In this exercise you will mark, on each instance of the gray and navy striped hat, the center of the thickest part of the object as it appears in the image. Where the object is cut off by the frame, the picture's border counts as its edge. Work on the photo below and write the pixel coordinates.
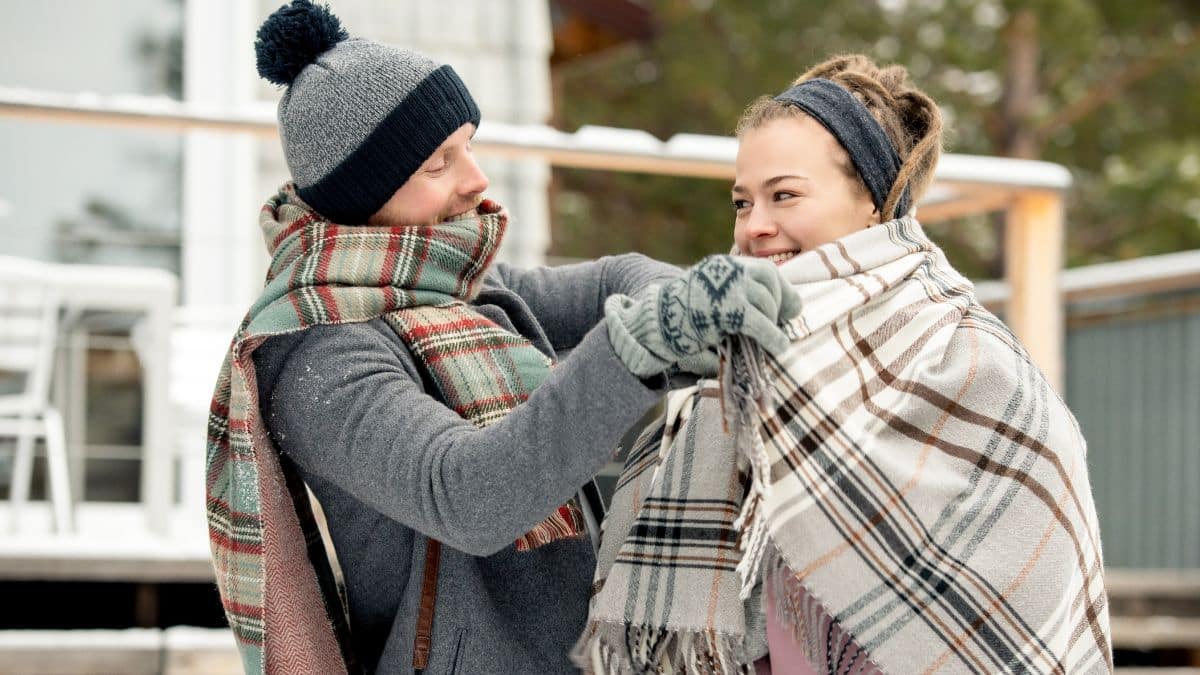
(358, 117)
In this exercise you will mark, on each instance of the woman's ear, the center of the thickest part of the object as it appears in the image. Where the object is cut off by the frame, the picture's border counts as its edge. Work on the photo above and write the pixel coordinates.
(873, 217)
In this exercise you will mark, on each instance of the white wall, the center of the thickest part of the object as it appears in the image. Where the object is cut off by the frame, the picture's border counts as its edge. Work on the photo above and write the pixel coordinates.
(223, 255)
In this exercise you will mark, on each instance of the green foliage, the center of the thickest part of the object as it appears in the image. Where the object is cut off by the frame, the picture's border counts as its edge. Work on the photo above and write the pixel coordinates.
(1118, 86)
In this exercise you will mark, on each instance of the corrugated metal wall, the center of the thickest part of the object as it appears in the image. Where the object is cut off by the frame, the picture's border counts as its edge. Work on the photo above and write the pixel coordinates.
(1133, 382)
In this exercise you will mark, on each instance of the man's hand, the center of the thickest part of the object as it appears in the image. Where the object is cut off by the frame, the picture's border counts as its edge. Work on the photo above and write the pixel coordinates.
(720, 296)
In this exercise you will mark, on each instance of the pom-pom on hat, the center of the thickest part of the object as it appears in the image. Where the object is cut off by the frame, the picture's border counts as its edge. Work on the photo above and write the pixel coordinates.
(358, 125)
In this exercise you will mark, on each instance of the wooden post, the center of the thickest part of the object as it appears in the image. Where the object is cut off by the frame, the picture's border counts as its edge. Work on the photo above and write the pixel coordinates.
(1033, 249)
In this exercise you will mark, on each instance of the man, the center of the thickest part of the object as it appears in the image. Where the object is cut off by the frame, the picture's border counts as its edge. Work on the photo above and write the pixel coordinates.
(415, 388)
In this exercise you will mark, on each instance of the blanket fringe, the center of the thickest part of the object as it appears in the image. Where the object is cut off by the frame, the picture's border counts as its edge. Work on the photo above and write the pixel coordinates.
(788, 595)
(743, 388)
(820, 636)
(616, 649)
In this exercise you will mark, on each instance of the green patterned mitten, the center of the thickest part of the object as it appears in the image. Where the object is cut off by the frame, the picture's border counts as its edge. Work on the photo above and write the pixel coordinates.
(719, 296)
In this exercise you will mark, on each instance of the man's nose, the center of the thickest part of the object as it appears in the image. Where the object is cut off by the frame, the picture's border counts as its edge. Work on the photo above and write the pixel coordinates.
(473, 181)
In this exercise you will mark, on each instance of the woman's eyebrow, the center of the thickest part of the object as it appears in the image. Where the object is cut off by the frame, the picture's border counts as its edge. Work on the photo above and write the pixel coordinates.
(738, 189)
(777, 179)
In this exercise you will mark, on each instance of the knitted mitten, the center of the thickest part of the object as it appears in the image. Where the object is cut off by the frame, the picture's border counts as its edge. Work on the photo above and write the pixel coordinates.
(704, 363)
(720, 296)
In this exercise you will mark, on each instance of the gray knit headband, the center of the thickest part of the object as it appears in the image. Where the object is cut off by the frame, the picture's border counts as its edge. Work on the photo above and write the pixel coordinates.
(870, 149)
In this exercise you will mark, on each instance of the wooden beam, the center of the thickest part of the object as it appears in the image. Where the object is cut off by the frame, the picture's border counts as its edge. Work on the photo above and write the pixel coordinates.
(1155, 632)
(971, 184)
(178, 650)
(965, 200)
(1033, 253)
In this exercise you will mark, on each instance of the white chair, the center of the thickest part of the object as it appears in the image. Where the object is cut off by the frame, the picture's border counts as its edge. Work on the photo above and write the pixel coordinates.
(29, 308)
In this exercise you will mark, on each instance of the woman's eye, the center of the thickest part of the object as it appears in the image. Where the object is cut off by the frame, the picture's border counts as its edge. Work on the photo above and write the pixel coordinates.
(780, 196)
(739, 204)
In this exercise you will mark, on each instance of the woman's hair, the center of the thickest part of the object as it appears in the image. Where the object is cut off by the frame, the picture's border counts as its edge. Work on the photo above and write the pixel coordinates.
(910, 118)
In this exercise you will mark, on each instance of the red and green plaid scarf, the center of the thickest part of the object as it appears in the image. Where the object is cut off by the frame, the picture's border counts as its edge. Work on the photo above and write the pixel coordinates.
(271, 569)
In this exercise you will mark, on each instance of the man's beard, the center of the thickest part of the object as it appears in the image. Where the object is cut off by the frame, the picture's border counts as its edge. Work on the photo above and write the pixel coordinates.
(461, 208)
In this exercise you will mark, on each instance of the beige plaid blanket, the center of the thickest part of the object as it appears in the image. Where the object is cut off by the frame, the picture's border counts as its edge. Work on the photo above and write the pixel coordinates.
(913, 488)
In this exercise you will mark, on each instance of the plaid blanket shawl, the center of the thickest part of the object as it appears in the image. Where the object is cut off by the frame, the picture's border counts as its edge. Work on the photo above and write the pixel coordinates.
(271, 570)
(913, 490)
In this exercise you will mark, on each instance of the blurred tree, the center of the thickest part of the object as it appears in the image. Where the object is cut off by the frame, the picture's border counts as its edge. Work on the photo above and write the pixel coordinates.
(1107, 88)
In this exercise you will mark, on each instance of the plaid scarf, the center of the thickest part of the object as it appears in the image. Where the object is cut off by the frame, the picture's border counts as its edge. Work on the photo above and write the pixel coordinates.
(271, 570)
(914, 491)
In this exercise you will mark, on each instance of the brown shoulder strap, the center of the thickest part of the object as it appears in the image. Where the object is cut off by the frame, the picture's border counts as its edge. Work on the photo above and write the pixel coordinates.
(424, 639)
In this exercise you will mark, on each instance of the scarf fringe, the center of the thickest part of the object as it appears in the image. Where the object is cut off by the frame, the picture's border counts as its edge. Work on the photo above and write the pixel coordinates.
(743, 388)
(565, 523)
(616, 649)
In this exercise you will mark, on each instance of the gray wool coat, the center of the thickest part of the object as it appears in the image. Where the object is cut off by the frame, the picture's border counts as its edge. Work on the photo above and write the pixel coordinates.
(392, 466)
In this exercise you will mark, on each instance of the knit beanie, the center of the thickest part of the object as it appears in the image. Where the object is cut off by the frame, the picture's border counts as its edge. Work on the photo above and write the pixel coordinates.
(358, 117)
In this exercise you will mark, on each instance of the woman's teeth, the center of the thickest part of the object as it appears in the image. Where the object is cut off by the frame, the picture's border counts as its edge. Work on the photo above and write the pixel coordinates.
(782, 257)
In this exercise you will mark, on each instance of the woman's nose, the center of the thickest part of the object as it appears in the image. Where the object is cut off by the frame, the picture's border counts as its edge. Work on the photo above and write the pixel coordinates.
(759, 223)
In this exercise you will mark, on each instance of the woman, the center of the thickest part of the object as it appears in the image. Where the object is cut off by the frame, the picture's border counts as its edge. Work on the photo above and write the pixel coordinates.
(909, 487)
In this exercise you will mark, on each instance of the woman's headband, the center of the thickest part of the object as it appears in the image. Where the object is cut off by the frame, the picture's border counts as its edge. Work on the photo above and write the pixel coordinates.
(870, 149)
